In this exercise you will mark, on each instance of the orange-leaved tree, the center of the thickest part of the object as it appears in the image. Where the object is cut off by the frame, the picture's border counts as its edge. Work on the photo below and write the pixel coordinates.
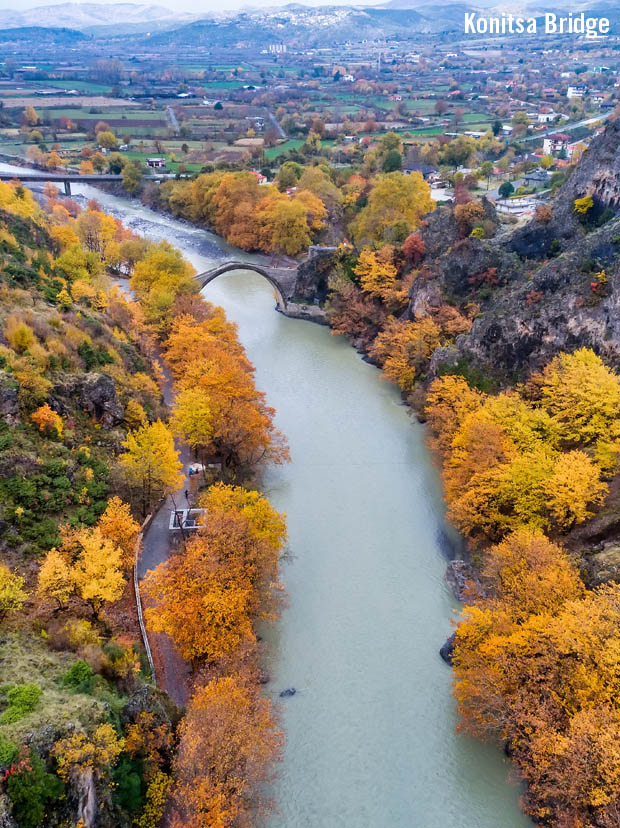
(229, 743)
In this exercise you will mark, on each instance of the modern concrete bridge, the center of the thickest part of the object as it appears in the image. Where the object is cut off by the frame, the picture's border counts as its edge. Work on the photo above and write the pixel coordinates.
(68, 178)
(282, 279)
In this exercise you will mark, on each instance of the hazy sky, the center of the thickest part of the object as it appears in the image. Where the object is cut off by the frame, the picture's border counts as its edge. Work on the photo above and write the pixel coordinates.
(194, 6)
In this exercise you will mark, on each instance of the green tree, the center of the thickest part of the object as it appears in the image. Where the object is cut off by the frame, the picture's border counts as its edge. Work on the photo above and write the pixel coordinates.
(133, 173)
(393, 161)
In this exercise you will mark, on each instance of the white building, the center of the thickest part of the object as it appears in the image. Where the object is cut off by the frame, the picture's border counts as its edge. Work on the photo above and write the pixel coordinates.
(555, 144)
(518, 206)
(576, 92)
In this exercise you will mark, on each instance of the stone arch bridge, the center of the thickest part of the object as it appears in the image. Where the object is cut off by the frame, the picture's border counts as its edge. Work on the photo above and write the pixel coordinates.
(282, 279)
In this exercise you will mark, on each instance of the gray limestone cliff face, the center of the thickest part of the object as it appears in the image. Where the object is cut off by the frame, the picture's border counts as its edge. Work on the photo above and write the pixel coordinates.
(538, 306)
(96, 394)
(560, 308)
(9, 406)
(313, 275)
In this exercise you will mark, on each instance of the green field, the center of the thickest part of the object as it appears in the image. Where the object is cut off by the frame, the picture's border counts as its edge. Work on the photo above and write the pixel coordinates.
(292, 143)
(226, 84)
(112, 113)
(82, 86)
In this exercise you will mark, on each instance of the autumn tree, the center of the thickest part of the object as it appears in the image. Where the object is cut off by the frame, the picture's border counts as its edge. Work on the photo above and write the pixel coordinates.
(132, 176)
(47, 420)
(158, 280)
(12, 594)
(81, 758)
(30, 116)
(98, 570)
(55, 580)
(118, 526)
(195, 600)
(376, 273)
(395, 205)
(526, 573)
(206, 597)
(449, 400)
(151, 463)
(261, 535)
(403, 349)
(229, 742)
(191, 340)
(284, 226)
(192, 420)
(582, 395)
(107, 140)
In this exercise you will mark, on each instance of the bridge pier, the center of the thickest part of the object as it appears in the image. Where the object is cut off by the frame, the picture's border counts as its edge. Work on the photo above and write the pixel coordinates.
(67, 188)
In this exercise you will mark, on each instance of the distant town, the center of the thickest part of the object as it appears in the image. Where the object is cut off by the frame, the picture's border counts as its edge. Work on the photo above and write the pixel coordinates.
(509, 112)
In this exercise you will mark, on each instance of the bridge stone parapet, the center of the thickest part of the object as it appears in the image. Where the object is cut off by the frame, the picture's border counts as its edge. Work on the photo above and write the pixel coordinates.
(282, 279)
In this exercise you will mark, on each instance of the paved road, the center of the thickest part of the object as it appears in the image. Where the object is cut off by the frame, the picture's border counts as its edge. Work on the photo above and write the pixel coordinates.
(567, 127)
(173, 119)
(174, 674)
(276, 125)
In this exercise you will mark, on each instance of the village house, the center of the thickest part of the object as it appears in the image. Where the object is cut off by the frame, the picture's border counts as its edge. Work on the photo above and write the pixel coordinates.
(536, 178)
(555, 144)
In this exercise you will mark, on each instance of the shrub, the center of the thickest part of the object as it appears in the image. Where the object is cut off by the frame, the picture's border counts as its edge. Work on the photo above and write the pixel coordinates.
(605, 216)
(19, 335)
(47, 420)
(128, 786)
(30, 789)
(583, 205)
(94, 356)
(79, 677)
(8, 751)
(80, 633)
(12, 596)
(555, 248)
(22, 699)
(156, 796)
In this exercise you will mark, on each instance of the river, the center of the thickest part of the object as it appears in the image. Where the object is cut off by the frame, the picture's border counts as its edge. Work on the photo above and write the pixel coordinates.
(371, 731)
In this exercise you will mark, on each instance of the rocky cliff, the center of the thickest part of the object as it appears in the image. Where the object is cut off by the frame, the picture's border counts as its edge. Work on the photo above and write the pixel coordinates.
(552, 285)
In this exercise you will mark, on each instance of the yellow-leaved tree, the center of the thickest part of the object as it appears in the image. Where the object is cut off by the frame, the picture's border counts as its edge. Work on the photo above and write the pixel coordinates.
(12, 594)
(582, 396)
(56, 580)
(151, 464)
(376, 273)
(396, 203)
(98, 570)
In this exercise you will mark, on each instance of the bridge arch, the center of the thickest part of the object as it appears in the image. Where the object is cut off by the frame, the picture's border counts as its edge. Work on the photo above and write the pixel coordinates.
(209, 275)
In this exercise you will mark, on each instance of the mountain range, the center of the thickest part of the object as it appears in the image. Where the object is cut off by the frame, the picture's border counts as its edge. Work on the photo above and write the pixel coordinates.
(295, 22)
